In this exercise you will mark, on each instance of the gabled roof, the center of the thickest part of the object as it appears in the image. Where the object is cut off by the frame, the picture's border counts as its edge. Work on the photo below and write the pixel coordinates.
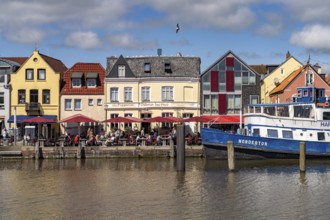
(224, 56)
(282, 86)
(84, 68)
(113, 73)
(279, 66)
(19, 60)
(57, 65)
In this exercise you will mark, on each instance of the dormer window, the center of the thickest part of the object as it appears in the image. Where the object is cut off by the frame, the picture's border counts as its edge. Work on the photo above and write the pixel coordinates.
(76, 79)
(147, 68)
(168, 68)
(121, 71)
(91, 80)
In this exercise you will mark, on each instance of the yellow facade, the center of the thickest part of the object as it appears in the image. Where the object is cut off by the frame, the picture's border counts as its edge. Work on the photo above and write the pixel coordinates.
(186, 99)
(49, 81)
(276, 77)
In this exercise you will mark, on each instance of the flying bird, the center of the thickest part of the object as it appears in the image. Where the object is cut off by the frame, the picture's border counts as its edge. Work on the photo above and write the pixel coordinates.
(177, 28)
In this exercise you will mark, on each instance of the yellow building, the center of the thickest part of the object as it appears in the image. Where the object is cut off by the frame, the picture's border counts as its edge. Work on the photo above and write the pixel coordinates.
(277, 76)
(35, 91)
(147, 87)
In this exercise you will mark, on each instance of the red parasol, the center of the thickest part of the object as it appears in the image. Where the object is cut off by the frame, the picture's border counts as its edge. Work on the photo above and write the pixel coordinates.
(127, 119)
(163, 119)
(37, 120)
(78, 118)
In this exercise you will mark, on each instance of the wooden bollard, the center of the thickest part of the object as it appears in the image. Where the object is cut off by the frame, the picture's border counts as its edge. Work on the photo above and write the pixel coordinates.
(231, 156)
(302, 156)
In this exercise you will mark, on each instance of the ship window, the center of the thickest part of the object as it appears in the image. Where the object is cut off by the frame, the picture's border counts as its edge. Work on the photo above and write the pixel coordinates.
(283, 111)
(326, 115)
(269, 110)
(256, 132)
(320, 136)
(287, 134)
(272, 133)
(303, 111)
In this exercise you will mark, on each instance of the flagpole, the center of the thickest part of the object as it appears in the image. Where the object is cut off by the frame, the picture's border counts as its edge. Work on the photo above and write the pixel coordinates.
(15, 126)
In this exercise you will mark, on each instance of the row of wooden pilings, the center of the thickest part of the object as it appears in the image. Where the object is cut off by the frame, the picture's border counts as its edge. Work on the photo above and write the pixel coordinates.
(231, 156)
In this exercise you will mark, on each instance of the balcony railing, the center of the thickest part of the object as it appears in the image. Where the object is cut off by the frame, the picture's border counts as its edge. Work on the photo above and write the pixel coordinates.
(32, 106)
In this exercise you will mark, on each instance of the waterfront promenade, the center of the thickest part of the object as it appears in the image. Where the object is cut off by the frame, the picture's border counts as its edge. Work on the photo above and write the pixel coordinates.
(21, 151)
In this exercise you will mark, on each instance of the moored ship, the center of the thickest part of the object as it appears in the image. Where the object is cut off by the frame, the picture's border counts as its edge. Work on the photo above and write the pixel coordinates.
(276, 130)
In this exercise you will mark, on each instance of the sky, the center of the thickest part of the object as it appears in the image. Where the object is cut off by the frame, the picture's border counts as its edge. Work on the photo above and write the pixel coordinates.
(258, 31)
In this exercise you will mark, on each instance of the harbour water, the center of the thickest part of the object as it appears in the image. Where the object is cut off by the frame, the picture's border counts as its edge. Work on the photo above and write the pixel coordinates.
(152, 189)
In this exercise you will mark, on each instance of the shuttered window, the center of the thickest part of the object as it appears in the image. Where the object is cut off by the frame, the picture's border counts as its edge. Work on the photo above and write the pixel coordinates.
(222, 102)
(214, 81)
(230, 81)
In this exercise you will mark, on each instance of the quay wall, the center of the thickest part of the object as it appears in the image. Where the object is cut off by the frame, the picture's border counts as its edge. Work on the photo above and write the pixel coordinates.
(104, 152)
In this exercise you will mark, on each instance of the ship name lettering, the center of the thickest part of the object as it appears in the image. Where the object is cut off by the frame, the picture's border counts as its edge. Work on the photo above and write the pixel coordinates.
(252, 142)
(325, 124)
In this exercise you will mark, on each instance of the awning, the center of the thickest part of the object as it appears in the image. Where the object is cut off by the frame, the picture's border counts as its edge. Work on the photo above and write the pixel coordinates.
(20, 118)
(91, 75)
(76, 74)
(224, 119)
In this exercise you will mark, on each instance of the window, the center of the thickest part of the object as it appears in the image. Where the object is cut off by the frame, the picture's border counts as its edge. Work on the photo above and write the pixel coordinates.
(287, 134)
(99, 102)
(41, 74)
(121, 71)
(77, 104)
(272, 133)
(320, 136)
(21, 96)
(222, 81)
(326, 115)
(309, 79)
(145, 93)
(254, 99)
(2, 78)
(214, 104)
(252, 79)
(206, 82)
(166, 124)
(76, 82)
(167, 93)
(2, 100)
(187, 115)
(29, 74)
(233, 104)
(245, 78)
(282, 71)
(128, 94)
(147, 68)
(256, 132)
(46, 96)
(90, 102)
(91, 83)
(207, 104)
(238, 81)
(34, 95)
(114, 125)
(168, 68)
(67, 104)
(113, 94)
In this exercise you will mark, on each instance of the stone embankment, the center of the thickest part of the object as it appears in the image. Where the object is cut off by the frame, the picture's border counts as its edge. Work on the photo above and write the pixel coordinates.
(96, 151)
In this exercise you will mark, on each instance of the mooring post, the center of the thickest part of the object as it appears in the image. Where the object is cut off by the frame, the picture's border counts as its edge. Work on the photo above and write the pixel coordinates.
(172, 154)
(302, 156)
(231, 156)
(180, 148)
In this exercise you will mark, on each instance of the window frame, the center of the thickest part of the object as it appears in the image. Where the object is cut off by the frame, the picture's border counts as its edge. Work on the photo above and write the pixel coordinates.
(90, 102)
(27, 71)
(39, 74)
(121, 71)
(114, 94)
(21, 96)
(46, 96)
(75, 80)
(76, 101)
(88, 80)
(128, 94)
(167, 93)
(145, 93)
(2, 100)
(66, 107)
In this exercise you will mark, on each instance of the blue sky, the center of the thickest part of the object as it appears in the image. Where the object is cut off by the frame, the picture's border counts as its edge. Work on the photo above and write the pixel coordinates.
(258, 31)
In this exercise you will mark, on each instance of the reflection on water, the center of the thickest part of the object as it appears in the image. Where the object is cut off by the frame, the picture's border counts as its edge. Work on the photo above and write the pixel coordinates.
(153, 189)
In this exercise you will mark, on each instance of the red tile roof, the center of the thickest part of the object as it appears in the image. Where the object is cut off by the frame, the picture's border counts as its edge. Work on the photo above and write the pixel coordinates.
(84, 68)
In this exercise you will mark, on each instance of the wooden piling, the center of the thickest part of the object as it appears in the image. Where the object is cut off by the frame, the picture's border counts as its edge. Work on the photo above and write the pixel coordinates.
(231, 156)
(302, 156)
(180, 148)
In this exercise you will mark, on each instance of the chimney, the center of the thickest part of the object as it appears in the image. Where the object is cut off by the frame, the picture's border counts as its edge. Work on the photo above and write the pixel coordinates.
(159, 52)
(318, 68)
(288, 55)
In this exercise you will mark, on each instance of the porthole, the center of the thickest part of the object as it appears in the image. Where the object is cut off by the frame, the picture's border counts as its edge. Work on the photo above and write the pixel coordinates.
(35, 59)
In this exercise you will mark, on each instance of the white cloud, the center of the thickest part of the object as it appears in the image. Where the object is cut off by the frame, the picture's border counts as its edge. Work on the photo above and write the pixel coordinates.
(315, 37)
(225, 14)
(25, 36)
(83, 40)
(274, 26)
(129, 42)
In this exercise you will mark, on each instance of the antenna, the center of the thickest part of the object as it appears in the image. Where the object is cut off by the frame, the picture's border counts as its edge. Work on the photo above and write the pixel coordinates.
(36, 46)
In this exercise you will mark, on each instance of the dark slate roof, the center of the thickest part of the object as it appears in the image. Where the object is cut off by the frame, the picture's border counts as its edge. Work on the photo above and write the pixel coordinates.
(57, 65)
(134, 66)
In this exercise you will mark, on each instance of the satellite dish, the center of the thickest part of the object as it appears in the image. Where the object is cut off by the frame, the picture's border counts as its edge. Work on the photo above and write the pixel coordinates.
(276, 81)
